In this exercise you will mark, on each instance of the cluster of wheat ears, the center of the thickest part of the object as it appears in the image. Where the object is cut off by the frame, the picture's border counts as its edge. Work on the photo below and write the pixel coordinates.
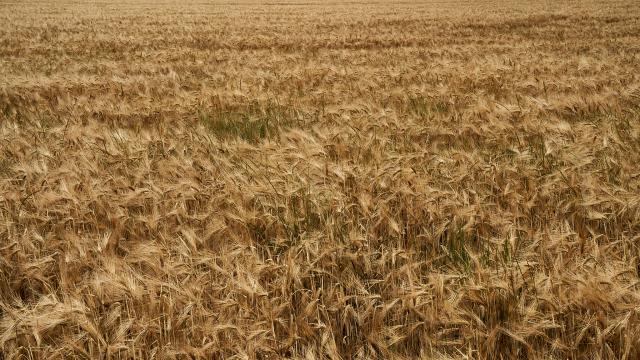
(343, 180)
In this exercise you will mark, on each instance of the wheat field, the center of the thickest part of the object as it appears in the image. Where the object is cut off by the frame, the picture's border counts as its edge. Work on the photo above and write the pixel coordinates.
(320, 180)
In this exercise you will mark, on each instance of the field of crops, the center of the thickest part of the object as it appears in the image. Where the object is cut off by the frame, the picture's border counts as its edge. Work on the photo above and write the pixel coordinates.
(320, 180)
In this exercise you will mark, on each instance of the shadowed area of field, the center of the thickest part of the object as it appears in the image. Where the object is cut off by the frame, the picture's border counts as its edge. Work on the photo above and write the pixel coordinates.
(345, 180)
